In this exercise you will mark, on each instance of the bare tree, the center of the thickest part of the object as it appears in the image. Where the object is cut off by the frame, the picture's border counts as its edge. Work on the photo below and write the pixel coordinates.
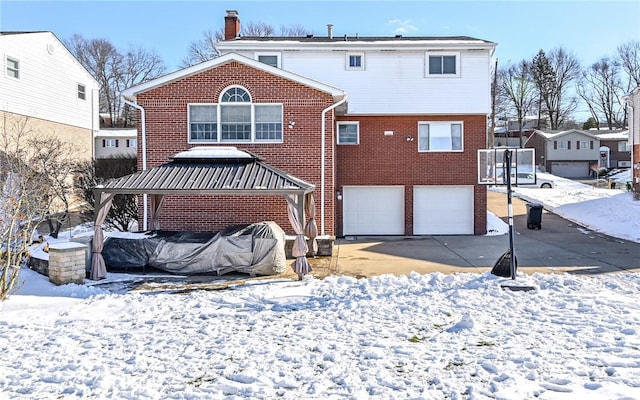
(518, 87)
(553, 76)
(114, 70)
(629, 54)
(600, 87)
(33, 166)
(124, 208)
(205, 49)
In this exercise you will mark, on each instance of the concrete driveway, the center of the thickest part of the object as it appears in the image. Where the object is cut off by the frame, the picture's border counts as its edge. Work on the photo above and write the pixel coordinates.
(560, 246)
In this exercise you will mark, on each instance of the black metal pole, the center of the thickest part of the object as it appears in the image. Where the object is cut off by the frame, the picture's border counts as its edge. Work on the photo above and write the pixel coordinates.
(507, 159)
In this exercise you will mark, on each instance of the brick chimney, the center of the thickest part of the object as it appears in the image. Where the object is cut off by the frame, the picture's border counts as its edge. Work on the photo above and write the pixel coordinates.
(231, 25)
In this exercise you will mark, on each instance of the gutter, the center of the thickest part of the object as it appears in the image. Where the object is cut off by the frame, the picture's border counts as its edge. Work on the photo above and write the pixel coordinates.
(323, 161)
(144, 156)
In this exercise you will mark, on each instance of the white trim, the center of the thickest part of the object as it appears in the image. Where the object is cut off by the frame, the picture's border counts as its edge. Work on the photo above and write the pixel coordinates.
(218, 122)
(442, 75)
(347, 59)
(437, 123)
(218, 61)
(356, 123)
(278, 55)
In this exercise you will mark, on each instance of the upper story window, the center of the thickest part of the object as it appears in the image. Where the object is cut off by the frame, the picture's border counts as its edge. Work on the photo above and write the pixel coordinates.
(623, 146)
(13, 68)
(272, 59)
(443, 64)
(133, 143)
(439, 136)
(355, 61)
(562, 145)
(235, 119)
(82, 92)
(584, 144)
(348, 133)
(110, 143)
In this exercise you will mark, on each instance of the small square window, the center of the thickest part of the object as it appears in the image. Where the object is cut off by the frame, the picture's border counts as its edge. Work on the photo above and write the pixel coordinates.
(355, 61)
(348, 133)
(562, 144)
(583, 144)
(623, 146)
(133, 143)
(272, 59)
(13, 68)
(443, 65)
(82, 92)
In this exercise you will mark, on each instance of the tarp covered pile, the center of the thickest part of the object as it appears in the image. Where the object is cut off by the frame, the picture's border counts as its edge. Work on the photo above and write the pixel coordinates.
(256, 249)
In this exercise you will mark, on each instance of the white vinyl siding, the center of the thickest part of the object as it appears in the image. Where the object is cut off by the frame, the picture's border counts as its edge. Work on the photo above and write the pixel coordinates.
(48, 82)
(399, 78)
(440, 136)
(348, 133)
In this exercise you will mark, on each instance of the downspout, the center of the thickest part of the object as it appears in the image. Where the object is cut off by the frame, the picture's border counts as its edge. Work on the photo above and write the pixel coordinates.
(144, 157)
(323, 161)
(629, 104)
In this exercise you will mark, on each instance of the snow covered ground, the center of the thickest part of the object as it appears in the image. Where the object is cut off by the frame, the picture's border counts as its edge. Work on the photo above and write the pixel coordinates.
(428, 336)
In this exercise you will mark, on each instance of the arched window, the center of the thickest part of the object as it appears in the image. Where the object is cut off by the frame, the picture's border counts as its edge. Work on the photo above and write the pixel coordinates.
(236, 118)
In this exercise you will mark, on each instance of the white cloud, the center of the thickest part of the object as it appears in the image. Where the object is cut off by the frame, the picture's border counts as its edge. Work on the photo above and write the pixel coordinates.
(402, 27)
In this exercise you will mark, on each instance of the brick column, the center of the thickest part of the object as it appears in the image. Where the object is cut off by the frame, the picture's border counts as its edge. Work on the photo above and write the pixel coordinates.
(67, 263)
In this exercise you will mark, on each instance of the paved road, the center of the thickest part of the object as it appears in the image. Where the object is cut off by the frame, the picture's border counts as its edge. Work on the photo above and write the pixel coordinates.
(559, 246)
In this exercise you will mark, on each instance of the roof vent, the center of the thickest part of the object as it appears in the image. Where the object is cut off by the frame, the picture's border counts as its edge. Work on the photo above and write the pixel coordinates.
(330, 31)
(398, 36)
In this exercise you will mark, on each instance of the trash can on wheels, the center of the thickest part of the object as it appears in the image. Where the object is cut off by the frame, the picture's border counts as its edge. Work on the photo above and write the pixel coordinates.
(534, 216)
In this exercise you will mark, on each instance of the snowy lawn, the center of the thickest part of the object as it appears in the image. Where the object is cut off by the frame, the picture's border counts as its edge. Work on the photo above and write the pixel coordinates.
(429, 336)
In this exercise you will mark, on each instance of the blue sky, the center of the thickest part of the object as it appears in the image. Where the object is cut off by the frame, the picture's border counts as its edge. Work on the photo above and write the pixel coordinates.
(589, 29)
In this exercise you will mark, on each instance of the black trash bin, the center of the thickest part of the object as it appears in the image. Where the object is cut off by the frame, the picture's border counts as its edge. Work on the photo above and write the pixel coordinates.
(534, 216)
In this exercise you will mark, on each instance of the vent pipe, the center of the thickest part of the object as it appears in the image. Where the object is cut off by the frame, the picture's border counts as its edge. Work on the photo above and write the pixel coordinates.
(330, 31)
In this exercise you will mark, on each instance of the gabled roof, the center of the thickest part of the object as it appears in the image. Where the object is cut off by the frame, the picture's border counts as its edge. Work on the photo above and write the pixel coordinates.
(549, 135)
(210, 170)
(131, 92)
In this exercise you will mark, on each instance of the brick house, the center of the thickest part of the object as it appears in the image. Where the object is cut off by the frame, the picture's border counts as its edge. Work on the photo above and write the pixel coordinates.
(632, 101)
(387, 129)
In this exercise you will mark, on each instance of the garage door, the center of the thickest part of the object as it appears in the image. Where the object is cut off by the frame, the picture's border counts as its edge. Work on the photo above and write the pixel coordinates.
(373, 210)
(570, 169)
(443, 210)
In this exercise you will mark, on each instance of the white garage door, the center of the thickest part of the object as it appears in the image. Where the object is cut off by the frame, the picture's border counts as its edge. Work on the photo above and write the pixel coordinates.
(443, 210)
(373, 210)
(570, 169)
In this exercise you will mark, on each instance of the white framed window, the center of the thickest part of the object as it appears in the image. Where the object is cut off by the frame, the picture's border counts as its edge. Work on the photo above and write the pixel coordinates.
(13, 67)
(442, 64)
(440, 136)
(82, 91)
(110, 143)
(624, 146)
(348, 132)
(355, 61)
(235, 119)
(583, 144)
(132, 143)
(562, 145)
(272, 59)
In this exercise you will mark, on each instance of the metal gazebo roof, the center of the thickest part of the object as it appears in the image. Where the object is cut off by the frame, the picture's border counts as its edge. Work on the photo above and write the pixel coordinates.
(210, 171)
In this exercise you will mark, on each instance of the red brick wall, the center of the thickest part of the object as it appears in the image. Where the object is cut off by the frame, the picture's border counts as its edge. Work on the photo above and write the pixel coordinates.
(392, 160)
(299, 154)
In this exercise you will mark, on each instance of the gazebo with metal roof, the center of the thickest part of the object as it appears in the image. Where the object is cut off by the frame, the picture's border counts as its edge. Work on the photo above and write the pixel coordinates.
(211, 171)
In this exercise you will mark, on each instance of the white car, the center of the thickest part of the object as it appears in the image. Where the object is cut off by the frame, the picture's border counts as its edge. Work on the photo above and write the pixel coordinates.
(526, 179)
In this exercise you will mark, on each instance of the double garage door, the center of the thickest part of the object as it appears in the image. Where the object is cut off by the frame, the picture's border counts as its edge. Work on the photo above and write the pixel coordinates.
(380, 210)
(570, 169)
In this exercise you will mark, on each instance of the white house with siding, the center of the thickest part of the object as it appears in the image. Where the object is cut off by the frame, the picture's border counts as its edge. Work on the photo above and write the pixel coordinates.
(45, 86)
(116, 142)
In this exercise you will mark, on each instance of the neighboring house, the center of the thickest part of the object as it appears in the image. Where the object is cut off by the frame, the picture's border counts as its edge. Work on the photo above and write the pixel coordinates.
(615, 150)
(507, 132)
(116, 142)
(45, 88)
(386, 128)
(571, 154)
(632, 101)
